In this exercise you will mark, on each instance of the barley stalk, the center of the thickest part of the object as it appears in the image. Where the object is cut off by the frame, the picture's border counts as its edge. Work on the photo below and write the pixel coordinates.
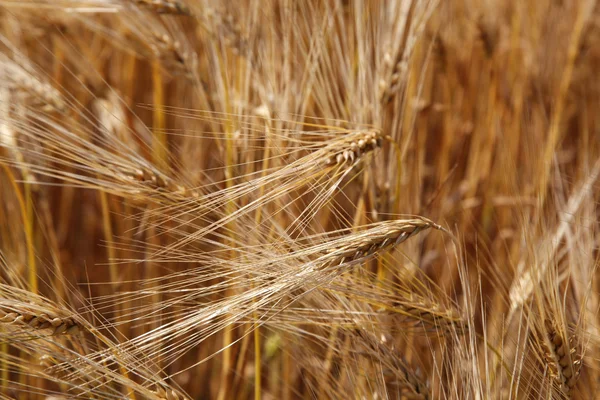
(214, 199)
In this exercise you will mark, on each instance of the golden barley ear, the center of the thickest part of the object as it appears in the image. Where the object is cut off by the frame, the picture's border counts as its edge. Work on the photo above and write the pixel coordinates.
(395, 370)
(218, 199)
(42, 321)
(565, 357)
(24, 313)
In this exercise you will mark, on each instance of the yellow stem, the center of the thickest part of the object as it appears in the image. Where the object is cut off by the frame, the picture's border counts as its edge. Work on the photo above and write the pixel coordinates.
(229, 209)
(565, 83)
(33, 282)
(3, 368)
(159, 143)
(108, 235)
(28, 224)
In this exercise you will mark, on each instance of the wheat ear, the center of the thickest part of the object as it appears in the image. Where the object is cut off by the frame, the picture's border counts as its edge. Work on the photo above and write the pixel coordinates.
(39, 321)
(382, 236)
(395, 370)
(563, 357)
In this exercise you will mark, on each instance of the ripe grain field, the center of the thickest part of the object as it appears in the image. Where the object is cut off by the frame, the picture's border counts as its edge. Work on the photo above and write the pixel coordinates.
(319, 199)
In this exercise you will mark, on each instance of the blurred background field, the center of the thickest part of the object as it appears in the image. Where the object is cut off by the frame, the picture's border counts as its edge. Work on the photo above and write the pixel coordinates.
(292, 200)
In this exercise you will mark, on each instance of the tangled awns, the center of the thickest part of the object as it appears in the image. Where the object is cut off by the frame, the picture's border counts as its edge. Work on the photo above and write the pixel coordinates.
(316, 199)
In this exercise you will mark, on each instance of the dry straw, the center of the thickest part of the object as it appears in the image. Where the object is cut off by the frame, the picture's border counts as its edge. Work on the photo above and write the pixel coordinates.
(175, 7)
(245, 169)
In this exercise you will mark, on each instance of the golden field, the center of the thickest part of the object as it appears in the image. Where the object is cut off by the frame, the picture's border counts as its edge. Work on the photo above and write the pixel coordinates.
(299, 199)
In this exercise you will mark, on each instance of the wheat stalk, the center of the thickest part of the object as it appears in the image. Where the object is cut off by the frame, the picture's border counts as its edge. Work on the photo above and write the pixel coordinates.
(227, 161)
(272, 284)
